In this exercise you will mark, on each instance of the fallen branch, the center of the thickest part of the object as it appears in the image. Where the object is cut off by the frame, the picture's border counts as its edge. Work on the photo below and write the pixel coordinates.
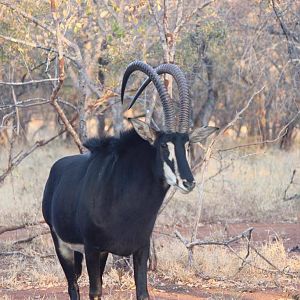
(265, 259)
(4, 229)
(190, 245)
(247, 234)
(31, 238)
(14, 253)
(247, 262)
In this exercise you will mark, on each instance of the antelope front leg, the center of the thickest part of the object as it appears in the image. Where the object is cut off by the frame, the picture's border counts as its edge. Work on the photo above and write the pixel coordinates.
(140, 259)
(92, 257)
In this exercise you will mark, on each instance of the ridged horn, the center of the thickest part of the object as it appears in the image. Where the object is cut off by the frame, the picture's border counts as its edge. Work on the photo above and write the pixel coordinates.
(181, 82)
(167, 104)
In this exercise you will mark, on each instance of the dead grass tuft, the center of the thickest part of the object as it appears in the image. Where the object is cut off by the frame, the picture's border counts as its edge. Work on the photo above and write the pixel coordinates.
(220, 267)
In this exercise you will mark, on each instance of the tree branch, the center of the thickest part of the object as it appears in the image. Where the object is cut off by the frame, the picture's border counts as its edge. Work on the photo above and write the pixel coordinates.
(28, 82)
(158, 24)
(61, 70)
(296, 196)
(187, 18)
(21, 156)
(4, 229)
(281, 133)
(190, 245)
(28, 103)
(31, 238)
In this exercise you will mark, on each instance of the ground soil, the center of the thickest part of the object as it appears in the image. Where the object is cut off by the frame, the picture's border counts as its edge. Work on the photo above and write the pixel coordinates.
(155, 294)
(263, 232)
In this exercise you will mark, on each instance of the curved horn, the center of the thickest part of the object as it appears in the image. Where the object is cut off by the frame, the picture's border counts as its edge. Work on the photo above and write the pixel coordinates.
(168, 107)
(180, 79)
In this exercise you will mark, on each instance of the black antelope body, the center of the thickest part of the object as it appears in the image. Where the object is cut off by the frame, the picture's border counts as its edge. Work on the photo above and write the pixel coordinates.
(107, 201)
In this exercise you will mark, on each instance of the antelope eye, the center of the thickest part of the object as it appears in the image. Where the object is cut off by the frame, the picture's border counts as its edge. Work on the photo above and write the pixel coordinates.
(164, 145)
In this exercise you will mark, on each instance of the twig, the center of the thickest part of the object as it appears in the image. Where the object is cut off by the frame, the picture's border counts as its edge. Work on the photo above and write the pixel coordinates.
(28, 82)
(226, 243)
(37, 21)
(238, 114)
(247, 262)
(27, 43)
(247, 234)
(265, 259)
(204, 162)
(183, 21)
(19, 158)
(285, 197)
(158, 24)
(168, 198)
(284, 28)
(6, 118)
(31, 238)
(199, 162)
(27, 103)
(61, 70)
(220, 171)
(4, 229)
(281, 133)
(17, 111)
(13, 253)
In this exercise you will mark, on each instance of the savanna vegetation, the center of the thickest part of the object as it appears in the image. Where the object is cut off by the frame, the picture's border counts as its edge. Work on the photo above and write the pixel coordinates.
(61, 66)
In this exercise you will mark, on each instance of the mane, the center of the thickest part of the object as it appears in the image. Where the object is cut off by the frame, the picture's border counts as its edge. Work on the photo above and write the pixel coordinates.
(127, 139)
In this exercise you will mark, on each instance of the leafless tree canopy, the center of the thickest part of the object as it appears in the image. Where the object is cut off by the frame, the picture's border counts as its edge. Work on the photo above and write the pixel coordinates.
(61, 65)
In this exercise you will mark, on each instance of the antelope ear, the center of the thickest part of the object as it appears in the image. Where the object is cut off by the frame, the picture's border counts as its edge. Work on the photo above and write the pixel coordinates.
(199, 134)
(144, 130)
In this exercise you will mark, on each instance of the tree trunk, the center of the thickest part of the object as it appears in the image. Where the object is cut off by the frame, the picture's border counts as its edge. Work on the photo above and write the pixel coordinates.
(117, 113)
(101, 125)
(207, 109)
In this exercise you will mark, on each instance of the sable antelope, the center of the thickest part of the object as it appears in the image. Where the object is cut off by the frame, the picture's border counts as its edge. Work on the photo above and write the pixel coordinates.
(107, 201)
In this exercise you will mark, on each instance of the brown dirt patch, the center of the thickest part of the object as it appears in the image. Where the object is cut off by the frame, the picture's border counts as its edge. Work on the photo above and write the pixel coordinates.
(155, 294)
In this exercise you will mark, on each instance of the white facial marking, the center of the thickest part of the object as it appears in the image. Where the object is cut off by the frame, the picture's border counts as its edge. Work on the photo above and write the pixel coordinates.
(169, 175)
(173, 179)
(171, 148)
(187, 151)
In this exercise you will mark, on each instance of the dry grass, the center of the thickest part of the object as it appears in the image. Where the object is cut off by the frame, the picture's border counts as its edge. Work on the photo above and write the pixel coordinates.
(21, 193)
(217, 266)
(250, 189)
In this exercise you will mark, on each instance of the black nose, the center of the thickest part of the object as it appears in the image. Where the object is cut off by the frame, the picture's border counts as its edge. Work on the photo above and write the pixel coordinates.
(189, 185)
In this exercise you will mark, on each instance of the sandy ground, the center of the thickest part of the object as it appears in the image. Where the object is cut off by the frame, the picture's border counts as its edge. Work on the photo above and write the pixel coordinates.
(155, 294)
